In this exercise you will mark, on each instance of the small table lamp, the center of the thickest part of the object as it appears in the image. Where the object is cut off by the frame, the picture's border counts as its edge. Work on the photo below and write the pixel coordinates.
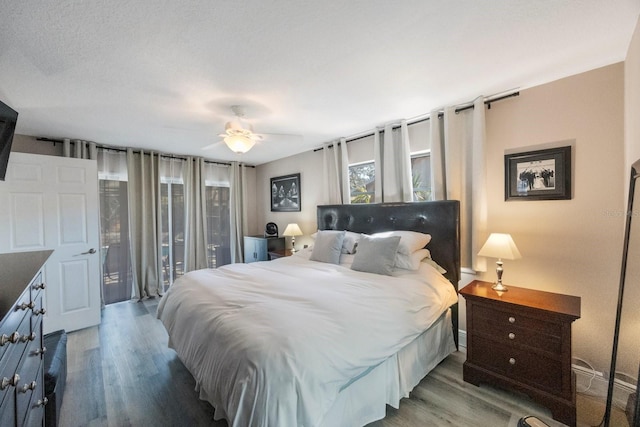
(292, 230)
(500, 246)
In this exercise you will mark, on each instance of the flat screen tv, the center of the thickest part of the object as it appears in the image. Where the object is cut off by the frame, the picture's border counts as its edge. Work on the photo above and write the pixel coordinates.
(8, 119)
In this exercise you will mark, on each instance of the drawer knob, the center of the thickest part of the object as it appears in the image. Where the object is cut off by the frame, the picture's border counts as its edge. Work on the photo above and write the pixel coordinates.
(512, 319)
(39, 351)
(39, 311)
(39, 286)
(6, 382)
(512, 335)
(42, 402)
(25, 305)
(30, 337)
(14, 337)
(30, 386)
(512, 361)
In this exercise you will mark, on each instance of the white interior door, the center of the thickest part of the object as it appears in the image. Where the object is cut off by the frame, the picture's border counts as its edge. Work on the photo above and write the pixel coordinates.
(51, 202)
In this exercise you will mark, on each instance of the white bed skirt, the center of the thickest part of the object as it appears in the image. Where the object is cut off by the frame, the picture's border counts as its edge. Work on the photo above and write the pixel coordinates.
(365, 399)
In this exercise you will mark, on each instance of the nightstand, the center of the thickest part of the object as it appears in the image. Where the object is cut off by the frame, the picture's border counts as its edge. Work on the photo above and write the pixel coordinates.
(280, 253)
(257, 248)
(521, 339)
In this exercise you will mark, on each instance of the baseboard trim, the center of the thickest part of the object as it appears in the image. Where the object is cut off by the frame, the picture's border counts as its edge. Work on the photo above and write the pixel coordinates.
(594, 383)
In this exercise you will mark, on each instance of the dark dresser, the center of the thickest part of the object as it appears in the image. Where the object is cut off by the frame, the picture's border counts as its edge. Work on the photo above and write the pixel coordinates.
(521, 339)
(22, 398)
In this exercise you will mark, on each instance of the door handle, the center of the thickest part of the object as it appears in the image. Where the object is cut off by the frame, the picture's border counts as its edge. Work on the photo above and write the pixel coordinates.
(89, 252)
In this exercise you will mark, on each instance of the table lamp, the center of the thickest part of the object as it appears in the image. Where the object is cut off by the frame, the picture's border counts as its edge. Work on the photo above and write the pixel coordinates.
(500, 246)
(292, 230)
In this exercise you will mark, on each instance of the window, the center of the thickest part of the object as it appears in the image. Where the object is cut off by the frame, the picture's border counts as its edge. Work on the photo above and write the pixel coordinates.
(421, 176)
(362, 182)
(117, 277)
(172, 216)
(218, 226)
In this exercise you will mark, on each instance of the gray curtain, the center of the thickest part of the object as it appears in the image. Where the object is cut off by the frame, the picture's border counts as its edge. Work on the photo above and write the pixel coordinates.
(458, 172)
(238, 211)
(397, 185)
(195, 236)
(144, 223)
(81, 149)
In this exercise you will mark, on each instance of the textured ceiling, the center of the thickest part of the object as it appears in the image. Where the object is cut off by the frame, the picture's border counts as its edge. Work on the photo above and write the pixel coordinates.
(162, 74)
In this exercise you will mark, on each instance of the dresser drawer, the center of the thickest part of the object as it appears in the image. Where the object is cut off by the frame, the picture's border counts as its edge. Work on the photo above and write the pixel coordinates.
(12, 355)
(536, 370)
(35, 412)
(13, 320)
(30, 376)
(512, 327)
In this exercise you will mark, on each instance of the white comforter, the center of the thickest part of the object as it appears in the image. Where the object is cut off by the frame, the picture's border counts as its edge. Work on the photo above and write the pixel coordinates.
(273, 343)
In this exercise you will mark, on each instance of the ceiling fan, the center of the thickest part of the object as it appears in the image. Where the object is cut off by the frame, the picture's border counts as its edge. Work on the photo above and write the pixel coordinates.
(238, 134)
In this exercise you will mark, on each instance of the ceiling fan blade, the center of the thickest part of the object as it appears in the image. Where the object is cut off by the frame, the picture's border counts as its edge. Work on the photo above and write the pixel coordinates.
(282, 137)
(211, 146)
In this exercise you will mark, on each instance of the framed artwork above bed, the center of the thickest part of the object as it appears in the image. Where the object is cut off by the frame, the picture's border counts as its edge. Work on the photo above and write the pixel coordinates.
(285, 193)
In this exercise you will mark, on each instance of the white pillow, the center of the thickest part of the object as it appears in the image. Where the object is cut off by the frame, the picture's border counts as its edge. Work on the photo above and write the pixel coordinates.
(328, 246)
(350, 242)
(376, 255)
(435, 265)
(410, 241)
(412, 262)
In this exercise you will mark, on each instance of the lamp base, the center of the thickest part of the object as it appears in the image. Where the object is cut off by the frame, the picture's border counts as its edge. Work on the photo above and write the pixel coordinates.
(499, 287)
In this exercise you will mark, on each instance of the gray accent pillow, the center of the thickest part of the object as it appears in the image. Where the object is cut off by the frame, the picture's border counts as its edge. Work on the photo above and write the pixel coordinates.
(327, 246)
(376, 255)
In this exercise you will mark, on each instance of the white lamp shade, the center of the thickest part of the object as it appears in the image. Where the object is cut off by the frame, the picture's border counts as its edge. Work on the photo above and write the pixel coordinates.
(239, 143)
(292, 230)
(500, 246)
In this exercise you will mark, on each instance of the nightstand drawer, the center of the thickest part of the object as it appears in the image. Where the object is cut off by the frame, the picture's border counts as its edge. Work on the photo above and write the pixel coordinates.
(510, 327)
(538, 371)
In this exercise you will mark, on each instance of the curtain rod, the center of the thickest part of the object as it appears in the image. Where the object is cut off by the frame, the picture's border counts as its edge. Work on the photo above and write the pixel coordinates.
(468, 106)
(118, 149)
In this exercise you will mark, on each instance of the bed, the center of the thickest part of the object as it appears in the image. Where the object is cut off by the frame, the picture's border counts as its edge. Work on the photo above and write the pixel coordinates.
(268, 345)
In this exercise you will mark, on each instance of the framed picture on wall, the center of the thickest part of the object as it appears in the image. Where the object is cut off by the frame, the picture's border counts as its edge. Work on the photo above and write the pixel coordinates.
(538, 175)
(285, 193)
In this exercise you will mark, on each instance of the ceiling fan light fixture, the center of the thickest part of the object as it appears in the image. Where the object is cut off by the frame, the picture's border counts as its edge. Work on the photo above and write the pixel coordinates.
(239, 143)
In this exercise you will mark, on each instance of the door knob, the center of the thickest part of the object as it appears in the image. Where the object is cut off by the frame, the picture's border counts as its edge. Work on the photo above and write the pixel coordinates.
(89, 252)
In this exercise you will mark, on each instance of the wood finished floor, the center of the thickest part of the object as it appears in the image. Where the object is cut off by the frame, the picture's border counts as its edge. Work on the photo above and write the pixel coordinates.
(121, 373)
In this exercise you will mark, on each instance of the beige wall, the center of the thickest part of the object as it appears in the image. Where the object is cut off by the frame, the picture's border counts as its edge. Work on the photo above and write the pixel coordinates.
(632, 99)
(29, 144)
(568, 246)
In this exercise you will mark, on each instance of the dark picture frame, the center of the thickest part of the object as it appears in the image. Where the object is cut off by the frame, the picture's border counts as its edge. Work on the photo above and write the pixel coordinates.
(285, 193)
(538, 175)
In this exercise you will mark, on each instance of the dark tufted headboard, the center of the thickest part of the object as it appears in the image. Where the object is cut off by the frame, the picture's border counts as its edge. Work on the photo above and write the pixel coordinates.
(440, 219)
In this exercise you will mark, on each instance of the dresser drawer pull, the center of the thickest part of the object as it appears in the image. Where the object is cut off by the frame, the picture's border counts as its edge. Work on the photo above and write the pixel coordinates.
(31, 386)
(512, 361)
(39, 351)
(13, 338)
(512, 335)
(30, 337)
(42, 402)
(25, 305)
(512, 319)
(6, 382)
(39, 286)
(39, 311)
